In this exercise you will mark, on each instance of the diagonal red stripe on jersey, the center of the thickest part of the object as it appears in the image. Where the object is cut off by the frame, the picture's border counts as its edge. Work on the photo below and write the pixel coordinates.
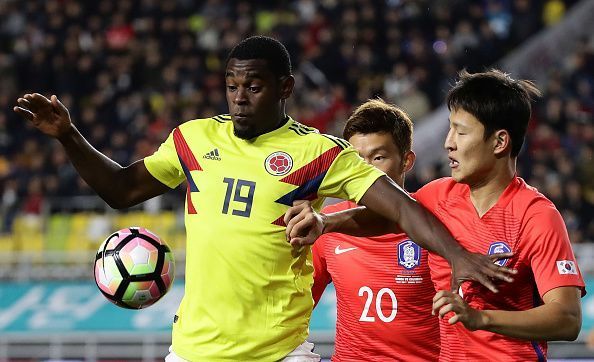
(314, 168)
(191, 208)
(184, 152)
(280, 221)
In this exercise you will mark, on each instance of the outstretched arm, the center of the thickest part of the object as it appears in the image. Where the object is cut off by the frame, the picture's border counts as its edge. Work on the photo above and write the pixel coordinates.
(387, 199)
(119, 186)
(559, 318)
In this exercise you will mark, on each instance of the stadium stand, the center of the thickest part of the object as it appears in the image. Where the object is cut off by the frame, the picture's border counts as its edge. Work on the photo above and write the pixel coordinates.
(131, 70)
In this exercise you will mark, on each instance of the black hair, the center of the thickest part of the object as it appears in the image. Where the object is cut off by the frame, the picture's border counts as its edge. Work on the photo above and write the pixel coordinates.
(497, 101)
(266, 48)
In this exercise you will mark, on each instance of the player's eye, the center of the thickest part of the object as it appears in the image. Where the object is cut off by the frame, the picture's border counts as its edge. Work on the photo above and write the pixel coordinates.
(379, 158)
(254, 89)
(231, 88)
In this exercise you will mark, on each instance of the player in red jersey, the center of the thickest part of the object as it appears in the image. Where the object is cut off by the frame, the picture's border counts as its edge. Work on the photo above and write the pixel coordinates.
(490, 210)
(383, 287)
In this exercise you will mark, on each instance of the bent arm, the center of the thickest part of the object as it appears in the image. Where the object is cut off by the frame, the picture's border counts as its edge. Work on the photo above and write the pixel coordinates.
(359, 221)
(559, 318)
(119, 186)
(386, 198)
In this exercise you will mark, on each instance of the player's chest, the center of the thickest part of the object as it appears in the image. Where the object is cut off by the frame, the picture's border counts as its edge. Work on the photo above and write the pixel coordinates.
(495, 232)
(265, 168)
(394, 262)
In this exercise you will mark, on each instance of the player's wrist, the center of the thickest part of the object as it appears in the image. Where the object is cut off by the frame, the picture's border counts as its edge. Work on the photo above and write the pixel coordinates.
(483, 320)
(324, 222)
(68, 134)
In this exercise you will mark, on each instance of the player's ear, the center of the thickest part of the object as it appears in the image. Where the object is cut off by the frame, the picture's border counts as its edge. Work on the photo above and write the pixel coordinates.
(502, 142)
(408, 161)
(286, 86)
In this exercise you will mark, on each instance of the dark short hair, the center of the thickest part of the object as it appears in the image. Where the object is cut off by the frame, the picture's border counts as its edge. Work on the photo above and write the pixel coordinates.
(263, 47)
(377, 116)
(497, 101)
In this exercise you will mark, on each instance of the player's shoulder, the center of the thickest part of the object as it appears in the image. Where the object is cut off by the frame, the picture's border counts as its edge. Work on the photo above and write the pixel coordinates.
(221, 120)
(527, 199)
(443, 185)
(313, 136)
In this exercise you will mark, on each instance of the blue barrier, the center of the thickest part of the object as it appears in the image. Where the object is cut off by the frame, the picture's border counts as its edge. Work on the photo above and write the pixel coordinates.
(49, 307)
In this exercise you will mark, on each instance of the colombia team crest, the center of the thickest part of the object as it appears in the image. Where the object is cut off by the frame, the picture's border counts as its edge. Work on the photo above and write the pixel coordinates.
(499, 247)
(409, 254)
(278, 163)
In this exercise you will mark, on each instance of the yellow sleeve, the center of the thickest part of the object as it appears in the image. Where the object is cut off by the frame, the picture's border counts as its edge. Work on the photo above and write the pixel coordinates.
(348, 177)
(164, 164)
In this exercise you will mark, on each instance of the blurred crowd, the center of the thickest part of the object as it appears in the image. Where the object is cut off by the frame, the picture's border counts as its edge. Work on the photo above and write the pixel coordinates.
(131, 70)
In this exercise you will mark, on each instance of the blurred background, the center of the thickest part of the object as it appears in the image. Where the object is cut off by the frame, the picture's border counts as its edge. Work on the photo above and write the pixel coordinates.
(130, 71)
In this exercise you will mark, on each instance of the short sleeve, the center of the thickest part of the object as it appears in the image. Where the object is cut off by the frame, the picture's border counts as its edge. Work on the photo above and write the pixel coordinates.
(549, 250)
(164, 164)
(348, 177)
(428, 194)
(321, 275)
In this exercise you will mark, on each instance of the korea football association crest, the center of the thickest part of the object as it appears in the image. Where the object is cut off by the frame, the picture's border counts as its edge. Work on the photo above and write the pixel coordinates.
(409, 254)
(499, 247)
(278, 163)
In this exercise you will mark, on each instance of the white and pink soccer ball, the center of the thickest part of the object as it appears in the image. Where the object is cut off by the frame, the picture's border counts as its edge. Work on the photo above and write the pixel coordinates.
(134, 268)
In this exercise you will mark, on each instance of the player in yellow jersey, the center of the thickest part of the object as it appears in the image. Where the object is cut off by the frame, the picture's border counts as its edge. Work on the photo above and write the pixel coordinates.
(248, 291)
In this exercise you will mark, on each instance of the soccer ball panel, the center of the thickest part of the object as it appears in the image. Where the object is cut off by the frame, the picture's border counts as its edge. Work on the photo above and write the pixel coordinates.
(141, 294)
(107, 275)
(139, 257)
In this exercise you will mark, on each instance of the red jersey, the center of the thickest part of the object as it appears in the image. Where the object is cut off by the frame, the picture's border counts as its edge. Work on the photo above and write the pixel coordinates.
(384, 296)
(522, 221)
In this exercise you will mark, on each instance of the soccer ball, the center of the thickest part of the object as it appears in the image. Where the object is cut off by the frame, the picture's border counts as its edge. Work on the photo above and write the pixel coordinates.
(134, 268)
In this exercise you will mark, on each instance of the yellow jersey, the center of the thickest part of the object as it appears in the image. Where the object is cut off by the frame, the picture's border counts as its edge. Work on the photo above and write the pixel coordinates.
(247, 291)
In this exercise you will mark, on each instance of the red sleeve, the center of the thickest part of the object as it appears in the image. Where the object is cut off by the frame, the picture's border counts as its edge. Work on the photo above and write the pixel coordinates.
(320, 275)
(549, 250)
(428, 194)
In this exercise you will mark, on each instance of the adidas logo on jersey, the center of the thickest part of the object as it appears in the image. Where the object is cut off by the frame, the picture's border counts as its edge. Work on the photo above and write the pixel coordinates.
(213, 155)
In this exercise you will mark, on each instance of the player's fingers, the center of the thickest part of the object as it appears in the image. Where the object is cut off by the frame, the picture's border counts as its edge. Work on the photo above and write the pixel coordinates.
(447, 308)
(297, 242)
(504, 275)
(455, 319)
(61, 108)
(439, 295)
(36, 101)
(23, 102)
(294, 220)
(486, 281)
(302, 227)
(292, 211)
(25, 113)
(500, 256)
(438, 305)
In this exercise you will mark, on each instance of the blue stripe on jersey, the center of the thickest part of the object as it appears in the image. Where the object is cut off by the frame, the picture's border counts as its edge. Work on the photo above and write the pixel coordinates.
(308, 189)
(539, 354)
(191, 183)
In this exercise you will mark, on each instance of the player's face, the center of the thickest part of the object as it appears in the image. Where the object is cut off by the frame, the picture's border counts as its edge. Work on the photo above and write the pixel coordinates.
(472, 160)
(379, 150)
(254, 96)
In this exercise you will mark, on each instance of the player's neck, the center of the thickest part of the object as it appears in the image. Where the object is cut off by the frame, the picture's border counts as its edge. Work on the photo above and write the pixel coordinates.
(485, 193)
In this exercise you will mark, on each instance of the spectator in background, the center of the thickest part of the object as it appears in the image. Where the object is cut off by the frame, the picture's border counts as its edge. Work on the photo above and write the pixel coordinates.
(141, 67)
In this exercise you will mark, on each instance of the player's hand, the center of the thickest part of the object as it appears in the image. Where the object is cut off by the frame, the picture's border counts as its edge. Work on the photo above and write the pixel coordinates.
(48, 115)
(467, 266)
(445, 302)
(304, 224)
